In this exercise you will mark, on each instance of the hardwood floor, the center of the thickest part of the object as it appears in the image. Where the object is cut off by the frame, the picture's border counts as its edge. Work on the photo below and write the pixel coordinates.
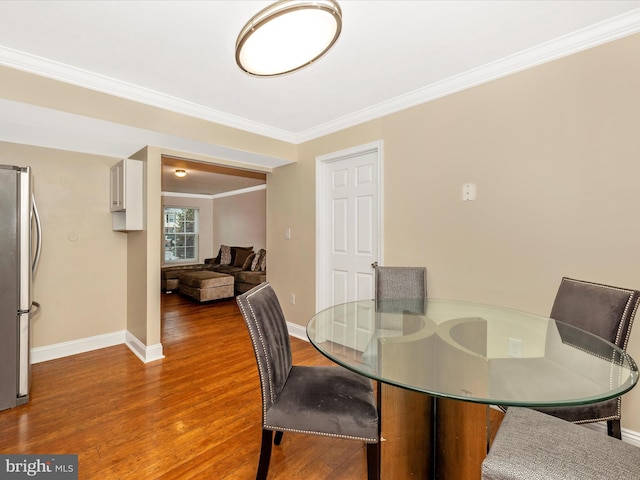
(193, 415)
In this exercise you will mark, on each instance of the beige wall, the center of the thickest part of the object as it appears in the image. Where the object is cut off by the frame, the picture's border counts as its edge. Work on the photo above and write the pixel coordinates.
(81, 282)
(554, 153)
(240, 220)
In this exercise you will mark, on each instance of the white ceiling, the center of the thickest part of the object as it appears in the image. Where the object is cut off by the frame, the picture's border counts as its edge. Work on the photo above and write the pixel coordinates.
(179, 55)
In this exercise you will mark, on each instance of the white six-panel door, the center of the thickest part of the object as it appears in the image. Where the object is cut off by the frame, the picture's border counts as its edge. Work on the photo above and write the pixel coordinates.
(349, 221)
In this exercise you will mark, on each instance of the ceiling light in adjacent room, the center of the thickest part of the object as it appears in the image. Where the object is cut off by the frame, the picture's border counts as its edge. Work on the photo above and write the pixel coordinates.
(181, 173)
(288, 35)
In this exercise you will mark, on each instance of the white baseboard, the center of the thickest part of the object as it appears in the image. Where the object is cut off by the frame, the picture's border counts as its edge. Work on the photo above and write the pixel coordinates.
(297, 331)
(628, 436)
(144, 353)
(631, 436)
(88, 344)
(73, 347)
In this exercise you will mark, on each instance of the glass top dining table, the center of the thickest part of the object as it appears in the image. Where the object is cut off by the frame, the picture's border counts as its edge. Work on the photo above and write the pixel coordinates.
(472, 352)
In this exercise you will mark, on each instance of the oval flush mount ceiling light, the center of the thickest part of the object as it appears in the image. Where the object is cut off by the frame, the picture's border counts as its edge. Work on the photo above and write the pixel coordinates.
(288, 35)
(181, 173)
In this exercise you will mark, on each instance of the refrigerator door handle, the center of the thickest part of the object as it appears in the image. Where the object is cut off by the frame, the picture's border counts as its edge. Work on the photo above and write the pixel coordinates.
(35, 307)
(36, 257)
(25, 239)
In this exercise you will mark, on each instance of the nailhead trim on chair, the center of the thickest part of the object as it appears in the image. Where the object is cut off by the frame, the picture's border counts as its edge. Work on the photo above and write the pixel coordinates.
(633, 316)
(625, 341)
(334, 435)
(624, 313)
(268, 377)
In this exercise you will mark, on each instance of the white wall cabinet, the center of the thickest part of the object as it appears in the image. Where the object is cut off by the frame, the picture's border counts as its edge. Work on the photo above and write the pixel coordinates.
(126, 195)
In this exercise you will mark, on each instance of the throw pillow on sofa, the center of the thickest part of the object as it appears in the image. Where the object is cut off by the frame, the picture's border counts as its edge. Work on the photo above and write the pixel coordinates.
(235, 250)
(257, 261)
(241, 257)
(246, 266)
(225, 255)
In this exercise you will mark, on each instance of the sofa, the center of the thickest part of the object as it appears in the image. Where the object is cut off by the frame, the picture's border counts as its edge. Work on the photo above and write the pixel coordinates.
(246, 266)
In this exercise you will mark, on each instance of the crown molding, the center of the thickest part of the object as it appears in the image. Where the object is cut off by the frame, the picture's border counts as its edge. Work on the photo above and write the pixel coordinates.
(101, 83)
(216, 195)
(598, 34)
(240, 191)
(593, 36)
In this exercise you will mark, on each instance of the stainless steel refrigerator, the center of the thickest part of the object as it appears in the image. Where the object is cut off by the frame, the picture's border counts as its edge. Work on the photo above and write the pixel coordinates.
(20, 242)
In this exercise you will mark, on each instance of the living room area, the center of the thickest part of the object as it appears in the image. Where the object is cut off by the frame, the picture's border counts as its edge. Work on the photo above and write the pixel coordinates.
(214, 229)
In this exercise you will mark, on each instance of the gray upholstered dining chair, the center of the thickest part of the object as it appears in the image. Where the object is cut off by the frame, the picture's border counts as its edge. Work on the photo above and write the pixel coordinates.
(605, 311)
(404, 290)
(328, 401)
(408, 283)
(530, 445)
(401, 282)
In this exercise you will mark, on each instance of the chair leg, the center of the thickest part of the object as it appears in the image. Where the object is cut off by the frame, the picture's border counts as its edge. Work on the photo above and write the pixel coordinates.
(278, 439)
(265, 455)
(373, 461)
(613, 429)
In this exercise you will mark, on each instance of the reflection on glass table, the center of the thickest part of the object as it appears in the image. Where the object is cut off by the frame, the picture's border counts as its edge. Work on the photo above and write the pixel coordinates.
(472, 352)
(442, 364)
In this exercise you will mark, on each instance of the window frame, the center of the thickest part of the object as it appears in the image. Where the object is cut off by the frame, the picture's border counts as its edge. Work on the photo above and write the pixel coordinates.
(181, 231)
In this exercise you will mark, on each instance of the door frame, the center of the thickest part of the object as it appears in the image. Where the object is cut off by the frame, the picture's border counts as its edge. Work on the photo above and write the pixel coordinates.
(322, 217)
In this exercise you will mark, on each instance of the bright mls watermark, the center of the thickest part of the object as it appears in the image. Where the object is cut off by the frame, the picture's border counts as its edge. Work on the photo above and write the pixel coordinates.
(49, 467)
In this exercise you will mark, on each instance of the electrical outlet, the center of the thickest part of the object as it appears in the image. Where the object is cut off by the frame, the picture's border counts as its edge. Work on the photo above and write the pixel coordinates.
(292, 298)
(469, 192)
(515, 347)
